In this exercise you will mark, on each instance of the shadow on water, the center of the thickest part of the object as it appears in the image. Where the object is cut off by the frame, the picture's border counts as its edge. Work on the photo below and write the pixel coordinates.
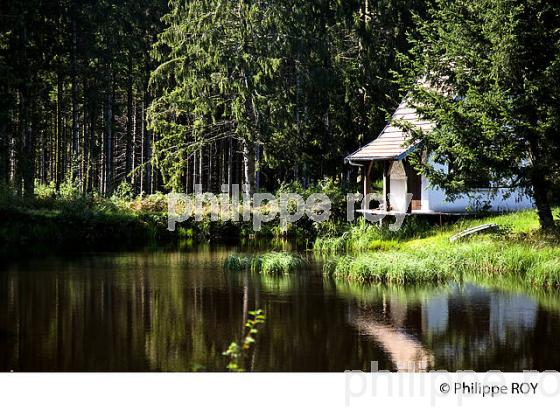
(178, 310)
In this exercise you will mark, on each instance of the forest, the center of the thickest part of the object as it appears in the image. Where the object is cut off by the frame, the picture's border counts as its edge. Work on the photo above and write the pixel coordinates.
(155, 96)
(109, 108)
(163, 96)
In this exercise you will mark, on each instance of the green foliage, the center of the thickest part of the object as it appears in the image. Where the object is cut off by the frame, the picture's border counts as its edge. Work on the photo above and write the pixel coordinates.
(237, 263)
(336, 191)
(124, 191)
(518, 252)
(270, 263)
(277, 263)
(363, 236)
(486, 72)
(303, 80)
(45, 191)
(68, 220)
(238, 354)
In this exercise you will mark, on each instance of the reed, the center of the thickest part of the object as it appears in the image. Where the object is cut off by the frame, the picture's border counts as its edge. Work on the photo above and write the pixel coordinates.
(478, 260)
(237, 263)
(270, 263)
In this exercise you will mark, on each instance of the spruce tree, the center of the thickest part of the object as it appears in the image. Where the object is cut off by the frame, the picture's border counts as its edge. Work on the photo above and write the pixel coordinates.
(486, 72)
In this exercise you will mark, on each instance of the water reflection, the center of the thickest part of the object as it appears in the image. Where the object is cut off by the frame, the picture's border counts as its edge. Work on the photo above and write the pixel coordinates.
(178, 311)
(464, 327)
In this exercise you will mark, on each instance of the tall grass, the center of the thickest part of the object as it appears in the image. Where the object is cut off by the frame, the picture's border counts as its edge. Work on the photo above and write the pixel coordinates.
(237, 263)
(271, 263)
(483, 259)
(364, 236)
(422, 254)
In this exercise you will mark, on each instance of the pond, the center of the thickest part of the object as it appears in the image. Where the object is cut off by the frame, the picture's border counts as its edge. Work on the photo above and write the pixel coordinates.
(178, 311)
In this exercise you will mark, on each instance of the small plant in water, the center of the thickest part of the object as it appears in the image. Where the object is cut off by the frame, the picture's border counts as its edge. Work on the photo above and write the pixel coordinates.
(271, 263)
(236, 263)
(276, 263)
(239, 354)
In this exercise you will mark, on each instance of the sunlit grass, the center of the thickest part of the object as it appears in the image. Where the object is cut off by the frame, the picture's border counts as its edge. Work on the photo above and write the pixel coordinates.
(481, 259)
(270, 263)
(519, 251)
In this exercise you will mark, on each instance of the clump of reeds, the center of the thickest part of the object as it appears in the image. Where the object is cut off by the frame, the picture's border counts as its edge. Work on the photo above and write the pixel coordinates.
(270, 263)
(237, 263)
(277, 263)
(476, 260)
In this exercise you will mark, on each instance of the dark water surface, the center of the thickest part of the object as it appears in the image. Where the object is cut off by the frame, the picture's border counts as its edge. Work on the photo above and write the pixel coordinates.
(178, 311)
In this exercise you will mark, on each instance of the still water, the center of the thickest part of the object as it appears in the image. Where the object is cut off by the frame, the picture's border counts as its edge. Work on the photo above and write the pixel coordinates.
(178, 311)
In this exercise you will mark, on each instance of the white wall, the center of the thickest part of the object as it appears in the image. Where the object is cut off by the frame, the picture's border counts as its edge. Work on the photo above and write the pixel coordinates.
(397, 184)
(434, 199)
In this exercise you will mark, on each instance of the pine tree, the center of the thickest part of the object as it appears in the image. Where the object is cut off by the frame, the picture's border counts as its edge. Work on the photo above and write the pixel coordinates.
(486, 73)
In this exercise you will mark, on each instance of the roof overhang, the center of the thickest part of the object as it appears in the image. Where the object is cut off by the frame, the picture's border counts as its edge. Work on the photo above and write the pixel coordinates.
(393, 143)
(355, 160)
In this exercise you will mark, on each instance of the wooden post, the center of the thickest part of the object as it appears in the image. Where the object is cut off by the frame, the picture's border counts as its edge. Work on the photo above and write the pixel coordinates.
(366, 172)
(386, 187)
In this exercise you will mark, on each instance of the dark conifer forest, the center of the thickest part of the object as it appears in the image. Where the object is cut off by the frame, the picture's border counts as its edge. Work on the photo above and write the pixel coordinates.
(153, 96)
(165, 95)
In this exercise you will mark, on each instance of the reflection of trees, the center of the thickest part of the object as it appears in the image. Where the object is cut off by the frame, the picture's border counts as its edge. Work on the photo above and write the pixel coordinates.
(168, 311)
(130, 312)
(494, 330)
(180, 311)
(468, 327)
(304, 329)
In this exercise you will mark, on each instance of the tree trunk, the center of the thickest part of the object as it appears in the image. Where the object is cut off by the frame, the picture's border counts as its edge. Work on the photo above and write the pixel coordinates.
(540, 194)
(129, 123)
(142, 141)
(148, 162)
(43, 160)
(209, 176)
(200, 179)
(59, 133)
(75, 118)
(249, 166)
(134, 160)
(28, 149)
(194, 173)
(109, 137)
(187, 176)
(146, 139)
(258, 172)
(230, 166)
(541, 186)
(4, 150)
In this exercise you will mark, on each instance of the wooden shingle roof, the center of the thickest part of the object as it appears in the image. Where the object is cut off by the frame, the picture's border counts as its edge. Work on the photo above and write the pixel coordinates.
(392, 143)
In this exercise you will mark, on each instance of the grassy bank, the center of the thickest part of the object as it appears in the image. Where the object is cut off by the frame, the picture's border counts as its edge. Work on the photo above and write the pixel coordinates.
(68, 222)
(63, 219)
(519, 251)
(271, 263)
